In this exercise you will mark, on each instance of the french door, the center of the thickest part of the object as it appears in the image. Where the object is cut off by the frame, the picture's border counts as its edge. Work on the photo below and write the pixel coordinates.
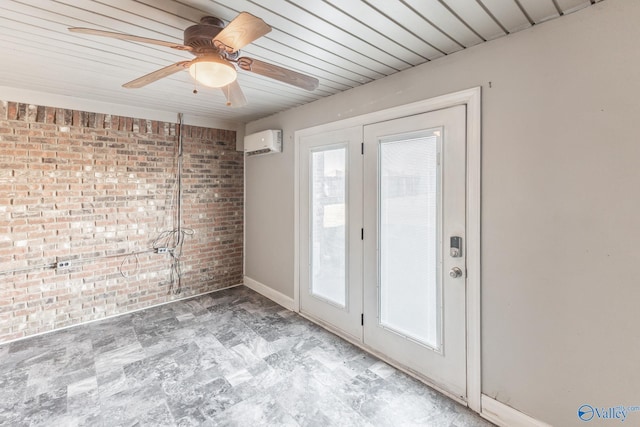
(331, 217)
(414, 257)
(382, 249)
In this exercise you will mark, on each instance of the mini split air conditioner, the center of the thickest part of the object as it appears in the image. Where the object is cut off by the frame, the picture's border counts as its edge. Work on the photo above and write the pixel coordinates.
(265, 142)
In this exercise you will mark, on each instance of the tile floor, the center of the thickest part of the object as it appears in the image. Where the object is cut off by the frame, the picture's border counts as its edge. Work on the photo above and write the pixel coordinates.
(230, 358)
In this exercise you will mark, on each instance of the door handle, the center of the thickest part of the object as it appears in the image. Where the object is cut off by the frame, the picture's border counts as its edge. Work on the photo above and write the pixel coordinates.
(455, 272)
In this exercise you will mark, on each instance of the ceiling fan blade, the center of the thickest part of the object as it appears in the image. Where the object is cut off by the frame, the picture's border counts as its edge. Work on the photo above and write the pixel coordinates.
(157, 75)
(278, 73)
(123, 36)
(244, 29)
(234, 95)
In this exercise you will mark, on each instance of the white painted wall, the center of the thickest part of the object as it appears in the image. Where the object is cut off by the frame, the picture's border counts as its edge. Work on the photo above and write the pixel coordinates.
(560, 207)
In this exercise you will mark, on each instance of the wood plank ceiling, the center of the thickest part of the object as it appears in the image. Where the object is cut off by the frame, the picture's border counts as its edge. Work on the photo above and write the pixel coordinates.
(343, 43)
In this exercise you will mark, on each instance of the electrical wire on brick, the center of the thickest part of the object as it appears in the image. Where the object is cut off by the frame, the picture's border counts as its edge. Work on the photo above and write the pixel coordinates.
(76, 262)
(28, 269)
(135, 270)
(174, 239)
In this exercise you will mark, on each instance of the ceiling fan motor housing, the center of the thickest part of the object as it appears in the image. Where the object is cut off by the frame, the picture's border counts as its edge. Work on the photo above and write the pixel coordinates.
(200, 36)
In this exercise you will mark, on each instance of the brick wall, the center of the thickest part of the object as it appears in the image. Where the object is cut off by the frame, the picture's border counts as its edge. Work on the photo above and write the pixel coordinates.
(98, 190)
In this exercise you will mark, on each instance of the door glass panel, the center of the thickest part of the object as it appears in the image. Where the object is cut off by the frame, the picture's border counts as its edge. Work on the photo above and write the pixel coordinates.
(409, 287)
(328, 225)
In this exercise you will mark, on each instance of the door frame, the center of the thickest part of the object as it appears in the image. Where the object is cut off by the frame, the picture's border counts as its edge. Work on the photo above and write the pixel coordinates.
(471, 98)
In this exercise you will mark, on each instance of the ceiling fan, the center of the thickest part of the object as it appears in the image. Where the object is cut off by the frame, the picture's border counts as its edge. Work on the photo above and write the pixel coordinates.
(216, 49)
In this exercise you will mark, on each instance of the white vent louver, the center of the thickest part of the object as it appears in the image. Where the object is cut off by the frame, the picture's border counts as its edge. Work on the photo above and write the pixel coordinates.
(265, 142)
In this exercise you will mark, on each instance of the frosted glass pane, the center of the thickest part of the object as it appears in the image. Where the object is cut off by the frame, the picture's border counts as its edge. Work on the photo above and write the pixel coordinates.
(328, 230)
(408, 215)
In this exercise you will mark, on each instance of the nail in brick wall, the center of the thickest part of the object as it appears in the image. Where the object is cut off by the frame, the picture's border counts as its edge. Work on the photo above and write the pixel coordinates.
(97, 190)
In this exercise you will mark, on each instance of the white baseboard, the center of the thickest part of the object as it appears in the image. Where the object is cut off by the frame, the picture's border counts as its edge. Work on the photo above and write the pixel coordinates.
(505, 416)
(270, 293)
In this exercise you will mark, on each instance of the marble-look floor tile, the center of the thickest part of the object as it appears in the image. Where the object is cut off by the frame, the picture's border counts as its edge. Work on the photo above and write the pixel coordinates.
(381, 369)
(112, 382)
(258, 410)
(41, 409)
(119, 357)
(229, 358)
(239, 377)
(82, 386)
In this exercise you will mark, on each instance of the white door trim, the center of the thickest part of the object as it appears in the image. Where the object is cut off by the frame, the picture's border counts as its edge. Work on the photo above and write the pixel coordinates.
(470, 98)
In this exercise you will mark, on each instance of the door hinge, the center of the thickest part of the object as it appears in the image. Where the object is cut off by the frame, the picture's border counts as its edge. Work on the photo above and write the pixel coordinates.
(362, 148)
(362, 234)
(362, 319)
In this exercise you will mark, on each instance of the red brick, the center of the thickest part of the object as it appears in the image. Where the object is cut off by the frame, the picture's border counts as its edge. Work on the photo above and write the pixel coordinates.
(107, 192)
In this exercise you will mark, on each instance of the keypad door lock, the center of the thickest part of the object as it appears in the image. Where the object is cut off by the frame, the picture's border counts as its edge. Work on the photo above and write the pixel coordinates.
(455, 247)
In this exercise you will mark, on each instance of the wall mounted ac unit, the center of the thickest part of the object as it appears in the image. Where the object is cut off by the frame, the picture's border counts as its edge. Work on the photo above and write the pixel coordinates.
(265, 142)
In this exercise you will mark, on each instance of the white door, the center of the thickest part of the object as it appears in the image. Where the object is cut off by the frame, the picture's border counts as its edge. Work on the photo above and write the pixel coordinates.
(380, 235)
(330, 229)
(414, 238)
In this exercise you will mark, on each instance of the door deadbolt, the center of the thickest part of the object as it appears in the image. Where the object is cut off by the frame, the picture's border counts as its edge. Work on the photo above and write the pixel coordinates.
(455, 247)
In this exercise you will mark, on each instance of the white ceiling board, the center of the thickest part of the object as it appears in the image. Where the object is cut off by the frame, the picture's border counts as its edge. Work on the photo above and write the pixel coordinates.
(178, 89)
(21, 40)
(125, 21)
(178, 18)
(187, 11)
(57, 58)
(508, 14)
(71, 82)
(331, 23)
(43, 21)
(540, 10)
(473, 15)
(329, 79)
(98, 19)
(311, 36)
(342, 43)
(569, 6)
(415, 24)
(346, 68)
(443, 18)
(134, 56)
(377, 30)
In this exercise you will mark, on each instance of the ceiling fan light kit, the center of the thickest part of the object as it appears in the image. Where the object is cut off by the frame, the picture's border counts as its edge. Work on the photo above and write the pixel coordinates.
(216, 48)
(212, 71)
